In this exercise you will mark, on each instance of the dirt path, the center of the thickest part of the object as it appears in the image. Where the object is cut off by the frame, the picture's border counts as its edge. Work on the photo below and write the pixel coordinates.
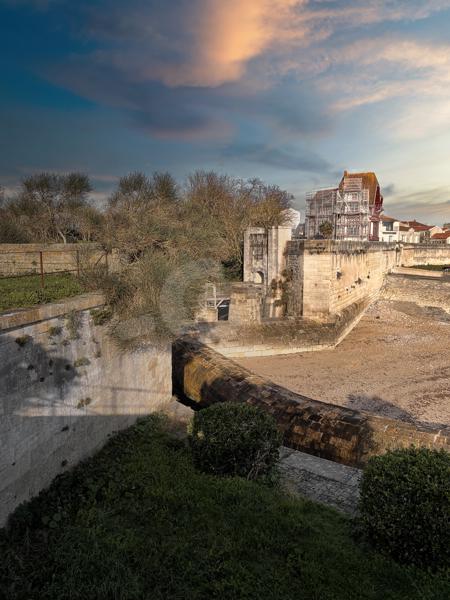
(396, 363)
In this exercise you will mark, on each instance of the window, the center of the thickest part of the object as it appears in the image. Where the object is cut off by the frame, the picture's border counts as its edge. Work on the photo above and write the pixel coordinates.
(388, 225)
(257, 245)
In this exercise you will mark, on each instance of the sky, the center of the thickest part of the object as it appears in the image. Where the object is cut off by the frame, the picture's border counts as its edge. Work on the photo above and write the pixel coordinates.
(291, 91)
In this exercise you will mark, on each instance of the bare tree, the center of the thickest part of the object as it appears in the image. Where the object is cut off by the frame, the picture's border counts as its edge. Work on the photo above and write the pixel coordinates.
(228, 206)
(47, 206)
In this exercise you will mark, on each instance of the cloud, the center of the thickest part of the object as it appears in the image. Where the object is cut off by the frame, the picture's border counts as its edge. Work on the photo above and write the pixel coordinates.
(430, 205)
(225, 36)
(163, 62)
(207, 69)
(36, 4)
(413, 75)
(281, 158)
(208, 43)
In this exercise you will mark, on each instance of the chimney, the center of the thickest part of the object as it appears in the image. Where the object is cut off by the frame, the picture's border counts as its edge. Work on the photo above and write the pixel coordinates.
(345, 173)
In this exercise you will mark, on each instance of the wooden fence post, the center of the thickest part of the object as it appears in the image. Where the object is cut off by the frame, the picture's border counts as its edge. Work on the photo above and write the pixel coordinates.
(41, 260)
(78, 264)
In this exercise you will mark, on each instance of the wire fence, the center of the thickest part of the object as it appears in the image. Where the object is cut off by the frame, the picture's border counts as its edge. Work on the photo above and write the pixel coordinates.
(18, 264)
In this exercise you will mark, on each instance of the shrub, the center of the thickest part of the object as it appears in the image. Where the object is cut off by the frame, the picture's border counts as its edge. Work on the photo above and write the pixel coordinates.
(73, 323)
(82, 362)
(405, 505)
(23, 340)
(235, 439)
(100, 316)
(54, 331)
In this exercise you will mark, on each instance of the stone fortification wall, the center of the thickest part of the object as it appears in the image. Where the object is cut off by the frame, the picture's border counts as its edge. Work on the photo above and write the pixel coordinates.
(423, 291)
(64, 388)
(336, 433)
(329, 276)
(246, 303)
(277, 336)
(421, 254)
(20, 259)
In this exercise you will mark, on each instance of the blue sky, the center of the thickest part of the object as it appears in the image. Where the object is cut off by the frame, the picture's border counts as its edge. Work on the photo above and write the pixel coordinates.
(292, 91)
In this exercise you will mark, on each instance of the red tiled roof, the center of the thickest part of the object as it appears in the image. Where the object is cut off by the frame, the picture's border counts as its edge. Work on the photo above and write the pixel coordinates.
(441, 236)
(369, 181)
(419, 226)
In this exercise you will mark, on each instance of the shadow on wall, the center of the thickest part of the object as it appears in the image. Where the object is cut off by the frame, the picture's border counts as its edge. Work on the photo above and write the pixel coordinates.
(203, 377)
(55, 410)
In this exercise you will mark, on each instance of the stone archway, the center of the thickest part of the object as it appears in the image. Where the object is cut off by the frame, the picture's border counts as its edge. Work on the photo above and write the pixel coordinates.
(258, 277)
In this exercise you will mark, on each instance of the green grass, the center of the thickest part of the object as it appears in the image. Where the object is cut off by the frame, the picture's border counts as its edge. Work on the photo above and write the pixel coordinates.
(139, 522)
(20, 292)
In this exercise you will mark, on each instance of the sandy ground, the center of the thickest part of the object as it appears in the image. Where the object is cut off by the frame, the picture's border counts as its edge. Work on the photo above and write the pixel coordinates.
(395, 363)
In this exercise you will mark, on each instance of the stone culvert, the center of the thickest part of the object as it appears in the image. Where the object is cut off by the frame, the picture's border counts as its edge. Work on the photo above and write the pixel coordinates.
(203, 377)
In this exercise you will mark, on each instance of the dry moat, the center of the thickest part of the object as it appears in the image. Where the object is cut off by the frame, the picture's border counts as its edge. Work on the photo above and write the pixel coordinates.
(395, 363)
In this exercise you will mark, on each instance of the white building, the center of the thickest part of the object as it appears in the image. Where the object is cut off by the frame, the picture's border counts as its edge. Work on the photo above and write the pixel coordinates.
(394, 230)
(441, 238)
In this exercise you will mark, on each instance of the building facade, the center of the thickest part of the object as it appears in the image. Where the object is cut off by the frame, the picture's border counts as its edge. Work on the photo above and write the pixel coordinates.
(352, 209)
(394, 230)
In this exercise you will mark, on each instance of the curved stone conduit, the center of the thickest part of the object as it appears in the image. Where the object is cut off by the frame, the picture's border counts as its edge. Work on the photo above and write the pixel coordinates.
(336, 433)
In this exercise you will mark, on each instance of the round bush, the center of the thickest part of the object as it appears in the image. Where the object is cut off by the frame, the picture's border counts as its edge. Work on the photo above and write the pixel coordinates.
(405, 505)
(235, 439)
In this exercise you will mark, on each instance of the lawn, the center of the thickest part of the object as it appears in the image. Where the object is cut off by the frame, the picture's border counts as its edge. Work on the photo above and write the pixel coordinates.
(20, 292)
(138, 521)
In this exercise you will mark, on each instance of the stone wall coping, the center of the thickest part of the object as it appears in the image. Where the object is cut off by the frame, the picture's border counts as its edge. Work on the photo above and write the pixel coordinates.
(43, 312)
(330, 245)
(337, 433)
(19, 248)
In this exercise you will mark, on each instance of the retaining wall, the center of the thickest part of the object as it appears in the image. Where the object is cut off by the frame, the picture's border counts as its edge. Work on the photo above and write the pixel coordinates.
(64, 388)
(421, 254)
(336, 433)
(277, 336)
(20, 259)
(422, 290)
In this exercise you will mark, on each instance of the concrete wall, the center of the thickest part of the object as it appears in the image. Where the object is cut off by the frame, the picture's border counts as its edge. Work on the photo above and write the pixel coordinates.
(64, 388)
(19, 259)
(325, 430)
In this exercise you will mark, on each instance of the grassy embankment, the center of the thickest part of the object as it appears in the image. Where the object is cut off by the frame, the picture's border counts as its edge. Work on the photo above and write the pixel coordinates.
(20, 292)
(138, 521)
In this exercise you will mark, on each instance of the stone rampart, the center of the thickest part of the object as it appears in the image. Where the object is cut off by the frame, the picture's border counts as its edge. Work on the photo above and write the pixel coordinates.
(343, 435)
(413, 255)
(329, 276)
(422, 290)
(64, 388)
(277, 336)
